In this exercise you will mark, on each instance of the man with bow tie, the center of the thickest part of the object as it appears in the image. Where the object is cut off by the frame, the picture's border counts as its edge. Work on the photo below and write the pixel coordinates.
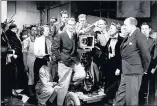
(135, 62)
(64, 49)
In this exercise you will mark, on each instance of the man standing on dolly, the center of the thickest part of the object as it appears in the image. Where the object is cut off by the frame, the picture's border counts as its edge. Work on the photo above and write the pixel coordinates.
(135, 62)
(64, 50)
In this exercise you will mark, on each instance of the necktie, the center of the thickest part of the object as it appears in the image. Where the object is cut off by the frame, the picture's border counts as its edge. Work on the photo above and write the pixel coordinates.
(113, 37)
(46, 51)
(126, 40)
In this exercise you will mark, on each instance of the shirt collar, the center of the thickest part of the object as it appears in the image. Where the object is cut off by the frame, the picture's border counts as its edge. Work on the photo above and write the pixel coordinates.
(69, 33)
(132, 32)
(104, 32)
(115, 36)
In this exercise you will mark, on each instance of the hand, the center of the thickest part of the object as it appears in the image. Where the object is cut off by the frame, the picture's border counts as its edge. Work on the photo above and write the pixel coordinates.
(26, 68)
(15, 56)
(153, 71)
(53, 58)
(11, 50)
(54, 83)
(95, 41)
(117, 72)
(111, 55)
(82, 31)
(95, 23)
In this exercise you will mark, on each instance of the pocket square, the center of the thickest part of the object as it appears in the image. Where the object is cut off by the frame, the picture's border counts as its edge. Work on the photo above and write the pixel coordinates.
(130, 43)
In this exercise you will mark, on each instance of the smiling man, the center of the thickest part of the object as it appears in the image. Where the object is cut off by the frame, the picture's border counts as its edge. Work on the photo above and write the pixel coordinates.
(64, 49)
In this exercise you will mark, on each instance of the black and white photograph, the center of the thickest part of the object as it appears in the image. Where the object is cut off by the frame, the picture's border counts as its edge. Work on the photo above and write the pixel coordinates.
(78, 53)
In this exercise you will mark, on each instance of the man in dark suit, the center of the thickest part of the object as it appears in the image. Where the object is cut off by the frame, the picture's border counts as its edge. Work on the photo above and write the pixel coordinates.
(148, 81)
(64, 49)
(135, 62)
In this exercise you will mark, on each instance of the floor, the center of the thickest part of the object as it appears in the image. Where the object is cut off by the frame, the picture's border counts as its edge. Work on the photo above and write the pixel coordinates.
(33, 102)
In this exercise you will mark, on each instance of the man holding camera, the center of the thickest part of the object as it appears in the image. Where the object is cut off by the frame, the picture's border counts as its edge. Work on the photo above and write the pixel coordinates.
(64, 50)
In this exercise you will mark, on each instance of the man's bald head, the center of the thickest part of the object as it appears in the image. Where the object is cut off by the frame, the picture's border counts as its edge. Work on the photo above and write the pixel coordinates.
(130, 24)
(132, 21)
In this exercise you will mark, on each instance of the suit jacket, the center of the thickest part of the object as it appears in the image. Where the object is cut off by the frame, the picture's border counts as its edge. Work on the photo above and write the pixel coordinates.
(65, 49)
(135, 54)
(152, 44)
(116, 60)
(5, 49)
(14, 42)
(4, 43)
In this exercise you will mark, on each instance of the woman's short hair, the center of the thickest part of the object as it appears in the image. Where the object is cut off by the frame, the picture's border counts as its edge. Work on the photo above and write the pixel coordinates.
(117, 25)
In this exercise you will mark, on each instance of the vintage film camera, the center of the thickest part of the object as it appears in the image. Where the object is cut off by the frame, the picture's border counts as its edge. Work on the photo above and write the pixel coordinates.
(87, 44)
(86, 41)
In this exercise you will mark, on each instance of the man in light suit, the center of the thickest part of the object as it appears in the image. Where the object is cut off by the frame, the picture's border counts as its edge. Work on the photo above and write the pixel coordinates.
(64, 49)
(135, 62)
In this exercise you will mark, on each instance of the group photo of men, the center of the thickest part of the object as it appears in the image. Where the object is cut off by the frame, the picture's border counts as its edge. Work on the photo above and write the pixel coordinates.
(46, 56)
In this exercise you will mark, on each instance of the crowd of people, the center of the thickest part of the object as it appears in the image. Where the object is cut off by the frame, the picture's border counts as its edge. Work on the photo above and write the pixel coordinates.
(45, 59)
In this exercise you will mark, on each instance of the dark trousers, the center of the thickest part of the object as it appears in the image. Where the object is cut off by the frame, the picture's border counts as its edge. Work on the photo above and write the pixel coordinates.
(18, 76)
(128, 90)
(54, 71)
(111, 80)
(111, 86)
(147, 91)
(37, 65)
(5, 79)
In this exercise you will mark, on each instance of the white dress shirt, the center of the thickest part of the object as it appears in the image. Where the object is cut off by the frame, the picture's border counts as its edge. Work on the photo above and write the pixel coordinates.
(69, 34)
(39, 47)
(112, 45)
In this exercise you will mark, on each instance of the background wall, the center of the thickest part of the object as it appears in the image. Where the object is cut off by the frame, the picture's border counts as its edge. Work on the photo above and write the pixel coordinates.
(23, 12)
(153, 22)
(92, 19)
